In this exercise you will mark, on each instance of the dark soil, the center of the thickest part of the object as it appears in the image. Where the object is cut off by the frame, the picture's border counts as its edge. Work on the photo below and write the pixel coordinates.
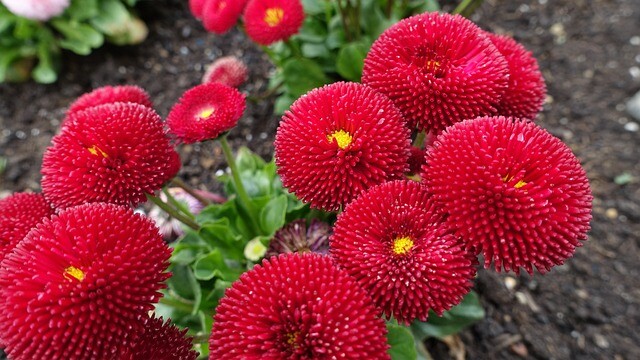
(586, 309)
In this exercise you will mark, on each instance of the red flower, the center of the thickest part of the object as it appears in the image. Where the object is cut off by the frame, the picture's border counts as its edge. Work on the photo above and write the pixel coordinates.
(109, 95)
(268, 21)
(392, 240)
(339, 140)
(416, 159)
(80, 285)
(526, 91)
(219, 16)
(109, 153)
(19, 213)
(206, 111)
(297, 306)
(197, 7)
(511, 190)
(162, 341)
(228, 70)
(438, 69)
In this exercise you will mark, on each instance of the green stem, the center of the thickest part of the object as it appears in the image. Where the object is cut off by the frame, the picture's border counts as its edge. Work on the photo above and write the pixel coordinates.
(294, 49)
(272, 55)
(419, 141)
(173, 212)
(177, 204)
(181, 184)
(389, 8)
(240, 190)
(343, 17)
(466, 7)
(176, 304)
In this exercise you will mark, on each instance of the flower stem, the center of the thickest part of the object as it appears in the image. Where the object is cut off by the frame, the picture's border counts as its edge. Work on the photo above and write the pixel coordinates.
(177, 204)
(181, 184)
(419, 141)
(173, 212)
(176, 304)
(467, 7)
(240, 190)
(293, 47)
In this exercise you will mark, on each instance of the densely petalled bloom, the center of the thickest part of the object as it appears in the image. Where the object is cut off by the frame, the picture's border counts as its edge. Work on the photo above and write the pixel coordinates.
(197, 7)
(526, 91)
(268, 21)
(228, 70)
(113, 153)
(297, 306)
(339, 140)
(80, 284)
(162, 341)
(19, 213)
(297, 237)
(206, 111)
(438, 69)
(511, 190)
(109, 95)
(219, 16)
(392, 240)
(37, 9)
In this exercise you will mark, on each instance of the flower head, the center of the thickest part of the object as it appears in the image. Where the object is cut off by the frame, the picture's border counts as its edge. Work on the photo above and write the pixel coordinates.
(511, 190)
(268, 21)
(302, 307)
(162, 341)
(113, 153)
(392, 240)
(228, 70)
(109, 95)
(80, 284)
(297, 237)
(42, 10)
(197, 7)
(526, 91)
(19, 213)
(438, 69)
(339, 140)
(219, 16)
(206, 111)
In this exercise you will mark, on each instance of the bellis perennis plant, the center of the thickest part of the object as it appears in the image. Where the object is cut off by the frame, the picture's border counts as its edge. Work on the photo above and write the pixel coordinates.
(326, 251)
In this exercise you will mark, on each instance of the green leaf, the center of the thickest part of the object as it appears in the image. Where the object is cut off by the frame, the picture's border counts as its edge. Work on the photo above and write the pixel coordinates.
(283, 103)
(113, 14)
(402, 343)
(79, 38)
(221, 235)
(81, 10)
(313, 7)
(248, 160)
(315, 50)
(302, 75)
(185, 285)
(313, 31)
(213, 265)
(420, 6)
(453, 321)
(350, 61)
(273, 214)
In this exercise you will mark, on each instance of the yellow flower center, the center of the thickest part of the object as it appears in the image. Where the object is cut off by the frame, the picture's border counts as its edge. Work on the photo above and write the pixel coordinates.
(517, 185)
(342, 137)
(95, 150)
(73, 272)
(206, 113)
(273, 16)
(292, 338)
(402, 245)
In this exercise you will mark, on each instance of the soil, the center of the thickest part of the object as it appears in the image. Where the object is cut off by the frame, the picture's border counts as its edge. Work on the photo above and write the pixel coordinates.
(589, 51)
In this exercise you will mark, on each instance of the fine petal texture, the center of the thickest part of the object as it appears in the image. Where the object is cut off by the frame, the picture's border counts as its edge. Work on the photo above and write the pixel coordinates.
(512, 191)
(526, 91)
(438, 69)
(219, 16)
(109, 95)
(339, 140)
(19, 213)
(392, 240)
(37, 9)
(228, 70)
(162, 341)
(206, 111)
(297, 237)
(268, 21)
(113, 153)
(80, 285)
(297, 306)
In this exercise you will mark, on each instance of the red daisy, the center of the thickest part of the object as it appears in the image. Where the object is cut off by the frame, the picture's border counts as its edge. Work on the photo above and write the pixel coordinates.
(228, 70)
(297, 306)
(197, 7)
(109, 153)
(438, 69)
(392, 240)
(526, 91)
(511, 190)
(268, 21)
(162, 341)
(339, 140)
(219, 16)
(109, 95)
(19, 213)
(80, 285)
(206, 111)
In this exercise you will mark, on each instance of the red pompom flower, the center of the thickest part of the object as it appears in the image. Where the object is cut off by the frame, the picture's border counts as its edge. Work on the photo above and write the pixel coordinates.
(526, 91)
(392, 240)
(19, 213)
(206, 111)
(162, 341)
(80, 285)
(511, 190)
(113, 153)
(339, 140)
(438, 69)
(228, 70)
(109, 95)
(268, 21)
(219, 16)
(297, 306)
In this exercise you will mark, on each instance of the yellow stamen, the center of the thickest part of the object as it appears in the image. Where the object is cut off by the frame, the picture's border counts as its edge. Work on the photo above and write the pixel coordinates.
(73, 272)
(402, 245)
(273, 16)
(95, 150)
(342, 137)
(206, 113)
(518, 185)
(292, 338)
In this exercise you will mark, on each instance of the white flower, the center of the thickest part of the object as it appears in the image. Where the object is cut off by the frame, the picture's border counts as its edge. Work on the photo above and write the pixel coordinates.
(36, 9)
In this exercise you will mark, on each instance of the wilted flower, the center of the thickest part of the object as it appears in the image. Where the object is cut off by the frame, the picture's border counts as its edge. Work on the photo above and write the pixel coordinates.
(297, 237)
(268, 21)
(393, 241)
(80, 285)
(297, 306)
(511, 190)
(438, 69)
(109, 95)
(19, 213)
(37, 9)
(219, 16)
(113, 153)
(228, 70)
(339, 140)
(206, 111)
(162, 341)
